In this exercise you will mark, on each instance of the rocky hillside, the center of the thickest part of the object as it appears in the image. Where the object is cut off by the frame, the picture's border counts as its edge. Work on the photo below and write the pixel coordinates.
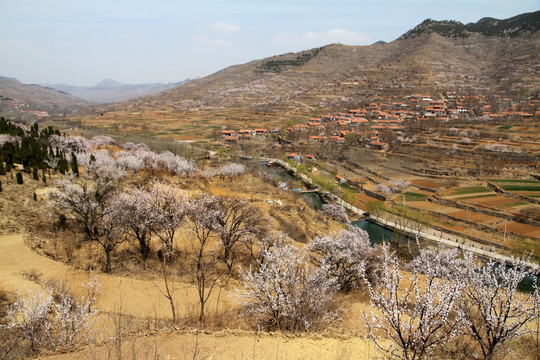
(17, 96)
(520, 25)
(433, 57)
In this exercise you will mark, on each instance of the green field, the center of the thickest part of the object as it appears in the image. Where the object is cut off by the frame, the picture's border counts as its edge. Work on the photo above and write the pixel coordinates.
(515, 203)
(477, 196)
(521, 187)
(412, 196)
(518, 181)
(470, 190)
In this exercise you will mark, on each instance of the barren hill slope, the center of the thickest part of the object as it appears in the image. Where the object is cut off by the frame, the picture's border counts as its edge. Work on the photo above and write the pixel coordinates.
(334, 75)
(35, 97)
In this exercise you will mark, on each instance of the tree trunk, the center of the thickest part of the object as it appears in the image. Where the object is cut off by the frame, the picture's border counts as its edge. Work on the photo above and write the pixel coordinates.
(108, 267)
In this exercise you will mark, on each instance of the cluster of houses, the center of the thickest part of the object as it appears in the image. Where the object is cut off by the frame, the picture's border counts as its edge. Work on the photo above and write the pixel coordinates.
(231, 136)
(376, 118)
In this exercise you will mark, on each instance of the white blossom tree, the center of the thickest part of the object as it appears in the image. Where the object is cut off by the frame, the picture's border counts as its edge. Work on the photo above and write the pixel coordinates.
(286, 292)
(336, 212)
(55, 319)
(232, 170)
(494, 309)
(89, 205)
(176, 164)
(416, 313)
(342, 255)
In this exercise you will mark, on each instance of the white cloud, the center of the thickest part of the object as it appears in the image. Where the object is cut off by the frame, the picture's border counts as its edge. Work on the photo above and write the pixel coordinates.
(313, 39)
(225, 27)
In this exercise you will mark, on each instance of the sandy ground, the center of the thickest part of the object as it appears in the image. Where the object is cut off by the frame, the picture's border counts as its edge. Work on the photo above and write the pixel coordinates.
(142, 299)
(230, 345)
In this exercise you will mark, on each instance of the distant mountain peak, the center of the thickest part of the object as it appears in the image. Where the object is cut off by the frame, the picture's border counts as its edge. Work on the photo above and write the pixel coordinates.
(108, 83)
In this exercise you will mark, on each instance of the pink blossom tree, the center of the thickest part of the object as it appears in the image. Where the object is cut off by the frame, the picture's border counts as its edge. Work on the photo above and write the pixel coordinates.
(136, 216)
(169, 208)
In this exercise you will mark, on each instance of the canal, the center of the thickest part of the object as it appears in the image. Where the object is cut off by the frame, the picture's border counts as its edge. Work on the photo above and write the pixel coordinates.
(278, 173)
(377, 234)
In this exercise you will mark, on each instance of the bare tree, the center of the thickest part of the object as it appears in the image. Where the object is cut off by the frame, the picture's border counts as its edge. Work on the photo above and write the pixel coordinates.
(168, 290)
(286, 292)
(494, 309)
(89, 203)
(414, 314)
(237, 221)
(203, 214)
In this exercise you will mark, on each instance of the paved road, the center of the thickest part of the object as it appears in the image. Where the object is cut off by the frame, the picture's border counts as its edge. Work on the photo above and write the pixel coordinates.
(454, 241)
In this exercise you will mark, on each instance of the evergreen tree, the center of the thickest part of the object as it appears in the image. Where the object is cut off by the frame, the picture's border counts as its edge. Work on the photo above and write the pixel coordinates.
(35, 174)
(19, 178)
(35, 197)
(2, 168)
(74, 164)
(44, 178)
(0, 186)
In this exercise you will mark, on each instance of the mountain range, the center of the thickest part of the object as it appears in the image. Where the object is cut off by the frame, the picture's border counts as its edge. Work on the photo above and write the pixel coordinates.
(108, 90)
(435, 56)
(14, 95)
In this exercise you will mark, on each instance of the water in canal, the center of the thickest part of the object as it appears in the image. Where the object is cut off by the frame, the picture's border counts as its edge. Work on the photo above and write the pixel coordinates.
(313, 199)
(377, 233)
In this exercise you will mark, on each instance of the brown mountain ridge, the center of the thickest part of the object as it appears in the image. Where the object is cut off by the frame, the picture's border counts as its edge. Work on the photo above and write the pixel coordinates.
(494, 55)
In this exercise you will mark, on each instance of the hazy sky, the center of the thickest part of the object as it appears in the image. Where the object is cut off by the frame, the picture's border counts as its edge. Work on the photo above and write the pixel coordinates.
(82, 42)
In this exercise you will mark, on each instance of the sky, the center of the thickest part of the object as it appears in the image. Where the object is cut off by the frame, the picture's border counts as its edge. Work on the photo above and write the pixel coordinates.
(81, 42)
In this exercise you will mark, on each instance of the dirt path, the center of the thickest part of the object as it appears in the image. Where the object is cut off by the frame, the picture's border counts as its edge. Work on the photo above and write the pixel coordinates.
(231, 345)
(139, 298)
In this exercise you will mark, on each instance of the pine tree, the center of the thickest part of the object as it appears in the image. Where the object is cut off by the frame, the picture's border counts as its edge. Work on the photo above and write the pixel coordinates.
(0, 186)
(19, 178)
(35, 174)
(35, 197)
(74, 164)
(44, 178)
